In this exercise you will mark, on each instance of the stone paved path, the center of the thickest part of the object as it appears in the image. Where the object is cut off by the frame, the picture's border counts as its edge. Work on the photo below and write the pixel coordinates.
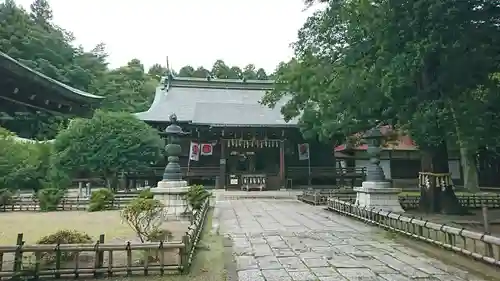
(285, 240)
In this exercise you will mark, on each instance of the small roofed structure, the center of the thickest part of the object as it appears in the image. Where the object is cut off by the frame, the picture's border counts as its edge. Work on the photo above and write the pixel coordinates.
(400, 158)
(234, 139)
(24, 90)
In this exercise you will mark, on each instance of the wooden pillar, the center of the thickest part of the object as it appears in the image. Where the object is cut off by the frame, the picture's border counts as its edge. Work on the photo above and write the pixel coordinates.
(222, 163)
(282, 163)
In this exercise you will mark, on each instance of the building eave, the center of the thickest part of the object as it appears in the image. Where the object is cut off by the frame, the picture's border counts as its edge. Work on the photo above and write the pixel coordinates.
(65, 90)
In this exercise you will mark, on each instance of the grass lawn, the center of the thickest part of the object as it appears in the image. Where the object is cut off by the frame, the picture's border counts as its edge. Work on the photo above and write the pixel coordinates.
(34, 225)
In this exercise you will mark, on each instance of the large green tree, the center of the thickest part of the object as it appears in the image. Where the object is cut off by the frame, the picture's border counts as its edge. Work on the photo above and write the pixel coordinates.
(223, 71)
(127, 88)
(106, 145)
(423, 66)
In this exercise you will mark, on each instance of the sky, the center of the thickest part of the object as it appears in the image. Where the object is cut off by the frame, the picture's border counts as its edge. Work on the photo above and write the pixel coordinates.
(189, 32)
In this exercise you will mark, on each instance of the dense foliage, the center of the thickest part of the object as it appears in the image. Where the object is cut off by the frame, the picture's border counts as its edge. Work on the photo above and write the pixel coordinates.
(49, 198)
(26, 165)
(63, 237)
(108, 144)
(101, 200)
(196, 197)
(426, 67)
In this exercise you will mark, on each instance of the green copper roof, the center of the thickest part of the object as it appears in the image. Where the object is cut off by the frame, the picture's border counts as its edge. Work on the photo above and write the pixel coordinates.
(72, 92)
(215, 102)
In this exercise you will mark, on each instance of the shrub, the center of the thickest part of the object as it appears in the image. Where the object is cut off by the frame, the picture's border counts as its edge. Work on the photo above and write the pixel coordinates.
(5, 196)
(196, 196)
(49, 198)
(101, 200)
(146, 194)
(158, 235)
(144, 216)
(64, 237)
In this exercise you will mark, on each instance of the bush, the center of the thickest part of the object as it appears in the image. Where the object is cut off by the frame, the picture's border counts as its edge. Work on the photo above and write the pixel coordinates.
(64, 237)
(144, 216)
(5, 196)
(158, 235)
(101, 200)
(49, 198)
(146, 194)
(196, 196)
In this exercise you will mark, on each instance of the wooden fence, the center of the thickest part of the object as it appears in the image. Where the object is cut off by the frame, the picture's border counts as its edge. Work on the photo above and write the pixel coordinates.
(481, 246)
(408, 202)
(102, 259)
(68, 203)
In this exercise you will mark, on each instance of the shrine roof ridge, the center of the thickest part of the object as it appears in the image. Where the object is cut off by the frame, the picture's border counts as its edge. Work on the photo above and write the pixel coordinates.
(216, 83)
(19, 67)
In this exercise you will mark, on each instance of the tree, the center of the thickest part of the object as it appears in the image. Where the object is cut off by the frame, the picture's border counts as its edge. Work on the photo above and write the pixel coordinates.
(249, 72)
(106, 145)
(221, 70)
(26, 165)
(359, 64)
(261, 74)
(157, 71)
(41, 13)
(236, 73)
(201, 72)
(186, 71)
(127, 88)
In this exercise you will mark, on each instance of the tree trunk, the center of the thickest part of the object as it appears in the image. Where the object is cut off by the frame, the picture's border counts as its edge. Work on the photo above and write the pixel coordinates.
(469, 169)
(438, 197)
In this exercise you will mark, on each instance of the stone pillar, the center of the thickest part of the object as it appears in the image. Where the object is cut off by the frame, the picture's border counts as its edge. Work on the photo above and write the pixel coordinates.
(222, 165)
(376, 191)
(80, 188)
(282, 163)
(172, 189)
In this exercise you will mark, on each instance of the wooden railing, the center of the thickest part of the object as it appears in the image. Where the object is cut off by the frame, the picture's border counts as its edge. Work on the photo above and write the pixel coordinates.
(68, 203)
(481, 246)
(102, 259)
(408, 202)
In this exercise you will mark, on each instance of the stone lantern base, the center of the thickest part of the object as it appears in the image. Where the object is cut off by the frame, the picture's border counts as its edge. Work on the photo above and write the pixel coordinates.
(172, 195)
(379, 195)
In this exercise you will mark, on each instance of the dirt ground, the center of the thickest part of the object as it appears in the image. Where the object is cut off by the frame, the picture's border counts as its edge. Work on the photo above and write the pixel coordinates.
(34, 225)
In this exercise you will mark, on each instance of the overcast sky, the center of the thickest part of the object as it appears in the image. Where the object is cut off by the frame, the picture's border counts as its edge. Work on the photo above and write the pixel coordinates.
(194, 32)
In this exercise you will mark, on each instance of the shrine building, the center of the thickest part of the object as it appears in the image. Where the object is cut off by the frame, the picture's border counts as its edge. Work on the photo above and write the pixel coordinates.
(233, 138)
(29, 93)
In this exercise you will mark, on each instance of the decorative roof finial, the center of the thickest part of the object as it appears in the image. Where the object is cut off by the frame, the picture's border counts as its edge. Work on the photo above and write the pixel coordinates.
(173, 118)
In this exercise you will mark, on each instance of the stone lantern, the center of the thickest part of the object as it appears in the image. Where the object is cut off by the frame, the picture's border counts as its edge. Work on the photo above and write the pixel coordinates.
(173, 149)
(376, 191)
(374, 139)
(172, 189)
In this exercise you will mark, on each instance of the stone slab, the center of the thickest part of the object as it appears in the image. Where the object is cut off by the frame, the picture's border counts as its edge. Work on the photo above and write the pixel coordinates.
(321, 246)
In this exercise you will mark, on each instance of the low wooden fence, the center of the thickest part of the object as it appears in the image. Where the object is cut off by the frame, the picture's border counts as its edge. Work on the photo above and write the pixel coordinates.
(68, 203)
(102, 259)
(478, 245)
(408, 202)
